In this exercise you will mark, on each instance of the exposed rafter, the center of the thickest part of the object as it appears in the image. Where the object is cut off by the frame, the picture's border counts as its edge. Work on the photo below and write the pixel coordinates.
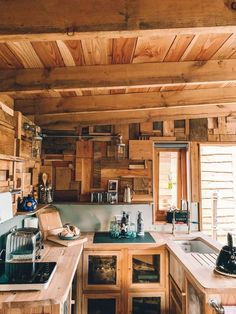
(75, 19)
(118, 76)
(127, 102)
(71, 120)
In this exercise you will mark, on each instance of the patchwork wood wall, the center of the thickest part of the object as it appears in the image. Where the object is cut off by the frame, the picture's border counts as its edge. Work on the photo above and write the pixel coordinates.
(86, 166)
(19, 170)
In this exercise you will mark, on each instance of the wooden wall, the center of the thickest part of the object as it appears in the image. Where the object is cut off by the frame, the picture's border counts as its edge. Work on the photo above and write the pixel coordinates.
(19, 170)
(86, 165)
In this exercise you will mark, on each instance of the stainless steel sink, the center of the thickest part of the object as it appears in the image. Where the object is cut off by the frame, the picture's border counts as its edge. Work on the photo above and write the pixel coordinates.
(195, 246)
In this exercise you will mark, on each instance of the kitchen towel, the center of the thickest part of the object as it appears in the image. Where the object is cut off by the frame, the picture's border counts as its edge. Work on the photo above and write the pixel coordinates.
(5, 206)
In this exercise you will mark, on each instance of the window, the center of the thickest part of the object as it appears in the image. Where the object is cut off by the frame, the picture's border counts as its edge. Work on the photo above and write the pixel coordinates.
(170, 177)
(218, 190)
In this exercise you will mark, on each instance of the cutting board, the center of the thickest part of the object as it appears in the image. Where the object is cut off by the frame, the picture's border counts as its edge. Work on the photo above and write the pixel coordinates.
(49, 221)
(55, 239)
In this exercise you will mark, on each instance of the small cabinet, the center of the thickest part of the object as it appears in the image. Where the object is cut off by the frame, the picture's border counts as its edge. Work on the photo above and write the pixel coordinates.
(101, 304)
(146, 303)
(195, 299)
(125, 281)
(102, 270)
(146, 268)
(177, 298)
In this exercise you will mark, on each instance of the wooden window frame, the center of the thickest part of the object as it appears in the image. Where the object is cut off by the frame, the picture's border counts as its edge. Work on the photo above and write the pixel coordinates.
(159, 214)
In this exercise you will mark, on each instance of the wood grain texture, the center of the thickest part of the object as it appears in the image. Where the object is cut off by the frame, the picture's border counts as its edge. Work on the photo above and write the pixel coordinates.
(75, 48)
(139, 150)
(195, 172)
(88, 17)
(26, 54)
(203, 47)
(123, 50)
(97, 51)
(63, 178)
(48, 53)
(227, 50)
(168, 128)
(152, 49)
(71, 121)
(67, 259)
(8, 59)
(84, 149)
(86, 182)
(178, 47)
(118, 76)
(65, 53)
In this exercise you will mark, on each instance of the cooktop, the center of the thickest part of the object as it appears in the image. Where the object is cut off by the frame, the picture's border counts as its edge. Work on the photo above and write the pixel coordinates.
(26, 276)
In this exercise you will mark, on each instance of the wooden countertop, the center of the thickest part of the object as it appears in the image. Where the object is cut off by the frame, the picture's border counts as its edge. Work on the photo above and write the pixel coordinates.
(67, 259)
(203, 275)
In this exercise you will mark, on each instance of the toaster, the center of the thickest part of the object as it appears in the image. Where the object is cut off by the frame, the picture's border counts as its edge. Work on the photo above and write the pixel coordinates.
(24, 244)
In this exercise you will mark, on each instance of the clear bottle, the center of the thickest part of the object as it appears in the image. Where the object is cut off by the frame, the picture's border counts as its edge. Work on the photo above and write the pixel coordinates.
(140, 225)
(123, 224)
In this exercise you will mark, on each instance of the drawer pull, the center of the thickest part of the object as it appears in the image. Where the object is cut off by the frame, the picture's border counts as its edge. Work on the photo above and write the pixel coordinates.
(214, 303)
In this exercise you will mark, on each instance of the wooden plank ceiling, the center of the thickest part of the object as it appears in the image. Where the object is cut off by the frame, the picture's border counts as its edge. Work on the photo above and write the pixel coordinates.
(58, 107)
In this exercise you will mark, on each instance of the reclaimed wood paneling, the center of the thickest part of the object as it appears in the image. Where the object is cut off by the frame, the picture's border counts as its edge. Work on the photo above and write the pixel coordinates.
(140, 150)
(84, 149)
(63, 178)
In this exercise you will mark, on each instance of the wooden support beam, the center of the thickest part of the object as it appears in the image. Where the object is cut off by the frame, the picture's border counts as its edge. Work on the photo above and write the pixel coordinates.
(211, 96)
(118, 76)
(77, 19)
(69, 121)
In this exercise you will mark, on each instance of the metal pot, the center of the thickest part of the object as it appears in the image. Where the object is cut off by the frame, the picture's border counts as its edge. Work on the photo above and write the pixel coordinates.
(226, 261)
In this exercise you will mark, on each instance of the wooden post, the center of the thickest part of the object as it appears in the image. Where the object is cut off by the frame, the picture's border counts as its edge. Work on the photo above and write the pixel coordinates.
(214, 215)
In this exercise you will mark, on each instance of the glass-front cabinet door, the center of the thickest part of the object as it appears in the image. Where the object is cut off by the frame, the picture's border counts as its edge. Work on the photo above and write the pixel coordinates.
(146, 303)
(102, 270)
(146, 268)
(101, 304)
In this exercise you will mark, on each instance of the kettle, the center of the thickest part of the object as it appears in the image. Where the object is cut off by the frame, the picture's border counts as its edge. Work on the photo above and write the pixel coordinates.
(127, 195)
(226, 261)
(27, 204)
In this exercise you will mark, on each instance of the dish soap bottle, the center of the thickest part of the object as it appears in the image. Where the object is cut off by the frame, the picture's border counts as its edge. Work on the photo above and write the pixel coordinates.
(140, 225)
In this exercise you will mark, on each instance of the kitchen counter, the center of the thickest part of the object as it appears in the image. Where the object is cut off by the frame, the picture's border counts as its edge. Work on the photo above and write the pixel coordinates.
(67, 259)
(203, 274)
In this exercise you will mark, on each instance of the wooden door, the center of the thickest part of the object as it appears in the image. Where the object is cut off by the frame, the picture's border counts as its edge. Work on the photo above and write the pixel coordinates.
(102, 270)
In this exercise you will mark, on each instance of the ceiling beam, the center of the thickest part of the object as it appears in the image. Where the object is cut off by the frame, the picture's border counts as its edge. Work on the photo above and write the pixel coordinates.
(124, 102)
(71, 120)
(118, 75)
(74, 19)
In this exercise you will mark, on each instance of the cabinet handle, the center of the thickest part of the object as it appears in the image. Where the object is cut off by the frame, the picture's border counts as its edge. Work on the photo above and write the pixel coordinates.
(216, 306)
